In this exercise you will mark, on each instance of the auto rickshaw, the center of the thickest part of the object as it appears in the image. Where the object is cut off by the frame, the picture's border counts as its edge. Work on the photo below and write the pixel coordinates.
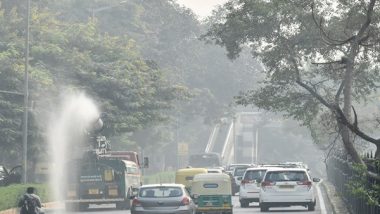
(212, 193)
(185, 176)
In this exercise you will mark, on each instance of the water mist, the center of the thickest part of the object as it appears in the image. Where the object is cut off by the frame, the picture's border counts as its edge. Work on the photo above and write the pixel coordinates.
(67, 136)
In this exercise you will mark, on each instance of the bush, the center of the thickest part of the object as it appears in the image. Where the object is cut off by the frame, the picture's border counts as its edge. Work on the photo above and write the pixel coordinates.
(9, 195)
(360, 185)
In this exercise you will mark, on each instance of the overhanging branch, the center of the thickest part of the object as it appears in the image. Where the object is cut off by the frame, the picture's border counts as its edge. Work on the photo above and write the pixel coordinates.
(354, 128)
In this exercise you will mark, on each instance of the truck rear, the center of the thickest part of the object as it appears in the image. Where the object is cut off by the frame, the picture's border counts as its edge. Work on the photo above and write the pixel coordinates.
(101, 181)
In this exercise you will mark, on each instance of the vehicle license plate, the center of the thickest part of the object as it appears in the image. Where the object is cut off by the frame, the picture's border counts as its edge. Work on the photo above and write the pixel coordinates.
(93, 191)
(112, 192)
(209, 203)
(286, 186)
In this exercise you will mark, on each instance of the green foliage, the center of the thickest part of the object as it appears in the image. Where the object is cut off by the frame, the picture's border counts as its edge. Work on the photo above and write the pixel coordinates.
(168, 34)
(138, 60)
(359, 186)
(288, 41)
(66, 56)
(10, 195)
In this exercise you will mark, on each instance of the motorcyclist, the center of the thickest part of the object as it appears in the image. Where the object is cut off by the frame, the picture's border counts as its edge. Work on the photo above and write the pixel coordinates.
(30, 203)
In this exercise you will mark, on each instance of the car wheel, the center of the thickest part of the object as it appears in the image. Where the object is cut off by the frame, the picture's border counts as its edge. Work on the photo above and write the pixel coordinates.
(311, 207)
(263, 208)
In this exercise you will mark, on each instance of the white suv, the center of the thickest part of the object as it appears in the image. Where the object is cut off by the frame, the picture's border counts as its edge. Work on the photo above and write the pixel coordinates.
(287, 187)
(250, 185)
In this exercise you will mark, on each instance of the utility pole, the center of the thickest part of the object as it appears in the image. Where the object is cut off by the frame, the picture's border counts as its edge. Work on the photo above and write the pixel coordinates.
(234, 137)
(26, 97)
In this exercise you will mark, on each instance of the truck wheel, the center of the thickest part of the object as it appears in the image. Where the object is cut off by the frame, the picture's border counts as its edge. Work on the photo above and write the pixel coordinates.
(124, 205)
(244, 203)
(71, 206)
(83, 206)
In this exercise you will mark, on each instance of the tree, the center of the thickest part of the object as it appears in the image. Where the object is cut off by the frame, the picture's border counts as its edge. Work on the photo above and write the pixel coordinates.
(318, 56)
(71, 56)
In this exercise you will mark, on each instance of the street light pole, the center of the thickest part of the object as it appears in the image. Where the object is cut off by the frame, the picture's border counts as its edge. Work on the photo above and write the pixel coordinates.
(26, 97)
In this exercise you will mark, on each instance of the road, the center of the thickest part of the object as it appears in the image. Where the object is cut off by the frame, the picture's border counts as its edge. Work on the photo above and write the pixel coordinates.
(323, 207)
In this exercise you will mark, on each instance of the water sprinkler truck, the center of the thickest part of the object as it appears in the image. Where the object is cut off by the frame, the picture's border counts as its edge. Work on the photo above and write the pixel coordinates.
(102, 176)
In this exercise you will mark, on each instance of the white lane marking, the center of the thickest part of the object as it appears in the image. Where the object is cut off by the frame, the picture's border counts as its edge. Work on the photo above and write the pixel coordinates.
(321, 201)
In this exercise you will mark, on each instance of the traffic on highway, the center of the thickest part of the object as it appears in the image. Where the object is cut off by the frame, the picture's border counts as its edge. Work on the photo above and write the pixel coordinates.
(189, 106)
(282, 187)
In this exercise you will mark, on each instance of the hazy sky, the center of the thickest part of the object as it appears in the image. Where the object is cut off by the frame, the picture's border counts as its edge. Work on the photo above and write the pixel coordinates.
(202, 8)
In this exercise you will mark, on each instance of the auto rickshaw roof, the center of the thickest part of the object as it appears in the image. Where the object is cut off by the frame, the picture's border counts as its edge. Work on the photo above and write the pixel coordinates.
(211, 177)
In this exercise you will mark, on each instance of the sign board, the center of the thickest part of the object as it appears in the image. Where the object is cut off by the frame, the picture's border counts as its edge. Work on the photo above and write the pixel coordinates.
(183, 149)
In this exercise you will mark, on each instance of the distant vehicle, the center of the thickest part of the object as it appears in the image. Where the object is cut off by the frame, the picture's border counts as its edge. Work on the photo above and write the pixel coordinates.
(250, 185)
(297, 165)
(214, 171)
(186, 176)
(101, 181)
(287, 165)
(12, 176)
(212, 193)
(287, 187)
(231, 167)
(239, 172)
(234, 186)
(163, 198)
(206, 160)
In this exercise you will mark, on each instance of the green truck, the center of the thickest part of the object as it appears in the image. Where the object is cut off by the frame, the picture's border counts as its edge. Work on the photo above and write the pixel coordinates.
(101, 180)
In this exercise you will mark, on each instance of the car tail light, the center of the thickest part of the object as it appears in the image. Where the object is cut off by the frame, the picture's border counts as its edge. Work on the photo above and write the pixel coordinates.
(267, 183)
(243, 182)
(185, 201)
(305, 183)
(136, 202)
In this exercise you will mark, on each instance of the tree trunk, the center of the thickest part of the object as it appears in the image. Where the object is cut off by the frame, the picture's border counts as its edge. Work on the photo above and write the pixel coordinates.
(347, 94)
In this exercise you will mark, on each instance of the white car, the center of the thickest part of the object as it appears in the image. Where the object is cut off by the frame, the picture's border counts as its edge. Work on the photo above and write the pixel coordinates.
(284, 187)
(250, 185)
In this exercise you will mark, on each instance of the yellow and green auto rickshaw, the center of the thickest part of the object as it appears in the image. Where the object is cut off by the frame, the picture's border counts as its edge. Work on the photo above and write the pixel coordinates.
(185, 176)
(212, 193)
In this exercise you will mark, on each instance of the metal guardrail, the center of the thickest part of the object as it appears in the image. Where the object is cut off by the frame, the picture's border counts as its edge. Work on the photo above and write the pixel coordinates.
(339, 173)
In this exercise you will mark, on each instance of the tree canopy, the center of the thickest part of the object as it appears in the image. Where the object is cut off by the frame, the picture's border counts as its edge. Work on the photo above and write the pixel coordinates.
(140, 60)
(318, 56)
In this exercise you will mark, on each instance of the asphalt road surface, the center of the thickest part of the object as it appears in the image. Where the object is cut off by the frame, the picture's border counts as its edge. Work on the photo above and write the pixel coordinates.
(323, 207)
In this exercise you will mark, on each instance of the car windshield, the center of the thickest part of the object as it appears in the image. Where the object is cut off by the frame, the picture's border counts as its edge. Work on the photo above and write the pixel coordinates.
(254, 175)
(160, 192)
(286, 176)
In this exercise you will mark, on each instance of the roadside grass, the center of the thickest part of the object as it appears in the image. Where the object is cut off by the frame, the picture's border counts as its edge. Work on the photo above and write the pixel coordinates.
(10, 195)
(161, 177)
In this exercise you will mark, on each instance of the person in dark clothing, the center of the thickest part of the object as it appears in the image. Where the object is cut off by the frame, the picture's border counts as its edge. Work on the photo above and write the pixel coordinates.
(30, 203)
